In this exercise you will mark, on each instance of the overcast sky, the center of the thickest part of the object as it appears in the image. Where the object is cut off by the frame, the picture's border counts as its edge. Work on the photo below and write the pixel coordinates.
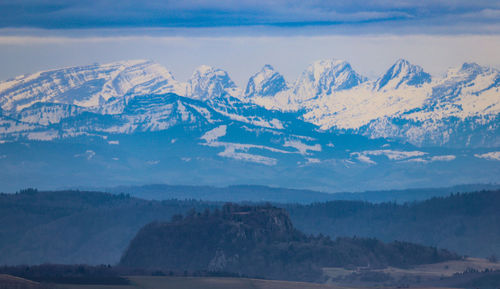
(241, 36)
(61, 14)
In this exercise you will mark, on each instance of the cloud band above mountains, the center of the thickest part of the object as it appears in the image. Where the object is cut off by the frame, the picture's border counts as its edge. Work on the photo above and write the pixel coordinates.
(59, 14)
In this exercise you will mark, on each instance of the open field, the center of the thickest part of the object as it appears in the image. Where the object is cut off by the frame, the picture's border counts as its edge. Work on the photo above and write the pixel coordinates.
(220, 283)
(418, 276)
(12, 282)
(98, 286)
(156, 282)
(431, 276)
(160, 282)
(437, 270)
(444, 269)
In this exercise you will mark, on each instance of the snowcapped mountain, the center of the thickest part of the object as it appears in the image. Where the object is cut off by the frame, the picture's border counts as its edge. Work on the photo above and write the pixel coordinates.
(402, 73)
(405, 103)
(331, 126)
(320, 79)
(326, 77)
(461, 109)
(97, 86)
(208, 83)
(266, 82)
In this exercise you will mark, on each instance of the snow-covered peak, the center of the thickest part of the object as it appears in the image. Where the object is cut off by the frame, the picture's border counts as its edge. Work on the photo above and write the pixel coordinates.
(402, 73)
(266, 82)
(208, 82)
(467, 72)
(472, 68)
(326, 77)
(467, 91)
(470, 78)
(87, 86)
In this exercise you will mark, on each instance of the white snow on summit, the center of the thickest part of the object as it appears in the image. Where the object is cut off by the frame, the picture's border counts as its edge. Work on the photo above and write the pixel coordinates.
(402, 73)
(87, 86)
(321, 78)
(267, 82)
(325, 77)
(208, 82)
(405, 103)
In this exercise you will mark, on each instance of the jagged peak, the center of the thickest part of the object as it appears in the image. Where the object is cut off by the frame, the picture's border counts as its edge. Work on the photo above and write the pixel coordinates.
(403, 64)
(267, 67)
(471, 66)
(469, 70)
(402, 72)
(329, 61)
(474, 68)
(207, 71)
(203, 69)
(327, 76)
(208, 82)
(266, 82)
(324, 65)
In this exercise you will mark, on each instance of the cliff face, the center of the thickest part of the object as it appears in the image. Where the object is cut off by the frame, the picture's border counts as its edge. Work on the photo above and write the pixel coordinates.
(217, 241)
(259, 241)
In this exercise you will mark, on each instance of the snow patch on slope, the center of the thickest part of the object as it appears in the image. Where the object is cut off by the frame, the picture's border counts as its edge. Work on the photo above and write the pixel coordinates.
(43, 135)
(302, 148)
(212, 135)
(392, 155)
(351, 109)
(443, 158)
(493, 156)
(238, 151)
(230, 152)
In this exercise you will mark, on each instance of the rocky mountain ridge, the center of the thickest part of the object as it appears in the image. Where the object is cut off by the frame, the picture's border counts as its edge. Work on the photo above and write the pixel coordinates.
(330, 122)
(405, 103)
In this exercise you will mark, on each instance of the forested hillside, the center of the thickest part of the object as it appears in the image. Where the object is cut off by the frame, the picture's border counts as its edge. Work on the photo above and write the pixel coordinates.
(75, 227)
(465, 223)
(95, 228)
(248, 193)
(261, 241)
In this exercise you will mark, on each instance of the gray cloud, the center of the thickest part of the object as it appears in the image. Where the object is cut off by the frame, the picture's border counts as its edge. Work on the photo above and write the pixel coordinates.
(59, 14)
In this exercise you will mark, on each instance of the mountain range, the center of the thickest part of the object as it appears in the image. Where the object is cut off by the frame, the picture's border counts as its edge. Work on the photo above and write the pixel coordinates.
(329, 129)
